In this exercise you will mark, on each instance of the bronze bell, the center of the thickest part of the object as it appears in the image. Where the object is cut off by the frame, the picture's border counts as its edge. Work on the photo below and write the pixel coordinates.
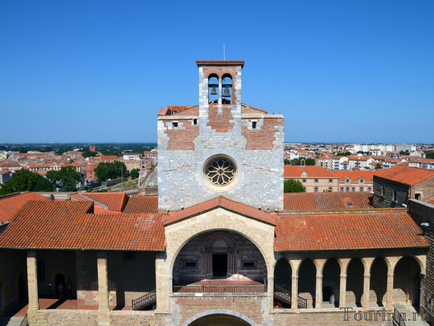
(213, 91)
(226, 92)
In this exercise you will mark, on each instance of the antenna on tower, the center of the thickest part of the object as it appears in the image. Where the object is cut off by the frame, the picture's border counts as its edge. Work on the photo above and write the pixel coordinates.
(224, 52)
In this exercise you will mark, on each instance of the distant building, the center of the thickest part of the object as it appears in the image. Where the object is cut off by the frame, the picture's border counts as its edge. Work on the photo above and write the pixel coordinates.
(313, 178)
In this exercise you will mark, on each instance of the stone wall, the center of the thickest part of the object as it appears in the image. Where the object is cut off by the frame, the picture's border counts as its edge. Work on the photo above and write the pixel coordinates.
(385, 200)
(422, 212)
(220, 129)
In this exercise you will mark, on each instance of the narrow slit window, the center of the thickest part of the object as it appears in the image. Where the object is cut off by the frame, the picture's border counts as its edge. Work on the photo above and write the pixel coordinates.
(195, 121)
(248, 265)
(190, 264)
(253, 124)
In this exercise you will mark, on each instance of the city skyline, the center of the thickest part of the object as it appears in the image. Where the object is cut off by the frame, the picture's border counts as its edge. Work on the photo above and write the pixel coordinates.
(100, 72)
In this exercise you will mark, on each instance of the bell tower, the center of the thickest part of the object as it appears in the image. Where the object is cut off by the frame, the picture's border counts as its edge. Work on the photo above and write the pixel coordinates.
(220, 147)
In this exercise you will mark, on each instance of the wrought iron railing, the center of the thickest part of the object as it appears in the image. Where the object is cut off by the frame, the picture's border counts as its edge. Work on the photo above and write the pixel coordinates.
(199, 288)
(302, 302)
(398, 318)
(144, 300)
(285, 296)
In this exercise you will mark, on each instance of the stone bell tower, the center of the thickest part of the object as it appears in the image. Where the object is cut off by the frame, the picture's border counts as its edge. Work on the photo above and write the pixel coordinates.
(221, 147)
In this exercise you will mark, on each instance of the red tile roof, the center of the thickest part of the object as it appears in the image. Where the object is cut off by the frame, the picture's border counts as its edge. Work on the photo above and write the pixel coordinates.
(294, 171)
(354, 175)
(220, 202)
(405, 174)
(347, 231)
(252, 107)
(142, 204)
(115, 201)
(66, 225)
(108, 157)
(327, 201)
(11, 204)
(430, 201)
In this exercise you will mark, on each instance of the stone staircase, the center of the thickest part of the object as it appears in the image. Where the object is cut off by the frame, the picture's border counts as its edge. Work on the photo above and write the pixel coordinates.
(144, 301)
(282, 294)
(13, 321)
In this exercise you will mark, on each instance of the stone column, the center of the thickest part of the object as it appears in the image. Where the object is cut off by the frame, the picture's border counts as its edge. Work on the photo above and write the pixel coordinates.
(343, 263)
(367, 263)
(294, 292)
(163, 283)
(319, 264)
(295, 264)
(103, 291)
(32, 280)
(270, 286)
(389, 298)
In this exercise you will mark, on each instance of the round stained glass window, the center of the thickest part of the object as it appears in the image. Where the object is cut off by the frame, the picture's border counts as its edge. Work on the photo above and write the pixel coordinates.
(220, 171)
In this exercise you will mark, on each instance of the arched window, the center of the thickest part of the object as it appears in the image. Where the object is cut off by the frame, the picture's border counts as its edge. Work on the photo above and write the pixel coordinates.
(227, 89)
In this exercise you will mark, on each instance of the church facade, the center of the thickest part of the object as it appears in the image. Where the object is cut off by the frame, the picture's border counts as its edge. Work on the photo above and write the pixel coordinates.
(222, 248)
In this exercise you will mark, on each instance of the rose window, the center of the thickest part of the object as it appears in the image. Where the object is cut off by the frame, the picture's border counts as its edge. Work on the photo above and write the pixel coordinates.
(220, 172)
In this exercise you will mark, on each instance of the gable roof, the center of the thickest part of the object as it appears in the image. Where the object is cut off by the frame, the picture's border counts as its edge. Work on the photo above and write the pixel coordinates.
(220, 202)
(66, 225)
(405, 174)
(11, 204)
(142, 204)
(354, 175)
(313, 171)
(115, 201)
(327, 201)
(347, 231)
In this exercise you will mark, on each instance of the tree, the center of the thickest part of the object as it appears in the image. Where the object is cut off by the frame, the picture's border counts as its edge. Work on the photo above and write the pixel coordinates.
(113, 170)
(378, 166)
(23, 180)
(291, 185)
(286, 162)
(297, 161)
(134, 173)
(429, 154)
(88, 154)
(69, 177)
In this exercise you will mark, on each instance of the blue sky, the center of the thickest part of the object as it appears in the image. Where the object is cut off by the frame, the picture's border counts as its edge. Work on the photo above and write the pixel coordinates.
(99, 71)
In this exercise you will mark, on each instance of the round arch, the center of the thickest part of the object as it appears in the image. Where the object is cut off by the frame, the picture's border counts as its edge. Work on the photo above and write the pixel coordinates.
(237, 315)
(248, 235)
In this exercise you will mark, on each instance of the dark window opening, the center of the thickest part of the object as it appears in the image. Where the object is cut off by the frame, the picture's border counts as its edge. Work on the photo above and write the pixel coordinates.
(353, 189)
(327, 294)
(41, 270)
(248, 265)
(220, 265)
(417, 196)
(190, 264)
(253, 124)
(349, 204)
(129, 256)
(175, 124)
(195, 121)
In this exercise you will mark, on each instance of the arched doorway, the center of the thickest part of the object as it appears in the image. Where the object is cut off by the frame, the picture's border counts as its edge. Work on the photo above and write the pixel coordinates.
(219, 320)
(355, 272)
(307, 281)
(406, 282)
(59, 281)
(378, 284)
(283, 283)
(213, 257)
(331, 283)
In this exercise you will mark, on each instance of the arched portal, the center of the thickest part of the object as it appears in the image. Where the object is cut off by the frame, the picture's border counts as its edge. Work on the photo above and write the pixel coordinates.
(355, 272)
(331, 282)
(307, 281)
(212, 259)
(406, 282)
(378, 284)
(219, 318)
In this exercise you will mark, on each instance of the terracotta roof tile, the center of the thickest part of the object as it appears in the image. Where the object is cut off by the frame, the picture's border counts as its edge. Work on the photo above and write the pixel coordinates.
(406, 175)
(354, 175)
(66, 225)
(11, 204)
(294, 171)
(221, 202)
(347, 231)
(327, 201)
(430, 201)
(115, 201)
(142, 204)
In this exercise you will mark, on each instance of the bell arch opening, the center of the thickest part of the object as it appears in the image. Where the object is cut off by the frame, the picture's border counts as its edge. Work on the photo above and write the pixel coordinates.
(227, 89)
(213, 89)
(215, 261)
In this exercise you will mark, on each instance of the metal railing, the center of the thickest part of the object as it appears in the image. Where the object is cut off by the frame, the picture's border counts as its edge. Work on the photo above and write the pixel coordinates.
(199, 288)
(398, 318)
(144, 300)
(302, 302)
(282, 294)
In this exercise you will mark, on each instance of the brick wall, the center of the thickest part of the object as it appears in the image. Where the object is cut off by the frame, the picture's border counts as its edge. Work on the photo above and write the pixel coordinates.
(385, 200)
(422, 212)
(425, 188)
